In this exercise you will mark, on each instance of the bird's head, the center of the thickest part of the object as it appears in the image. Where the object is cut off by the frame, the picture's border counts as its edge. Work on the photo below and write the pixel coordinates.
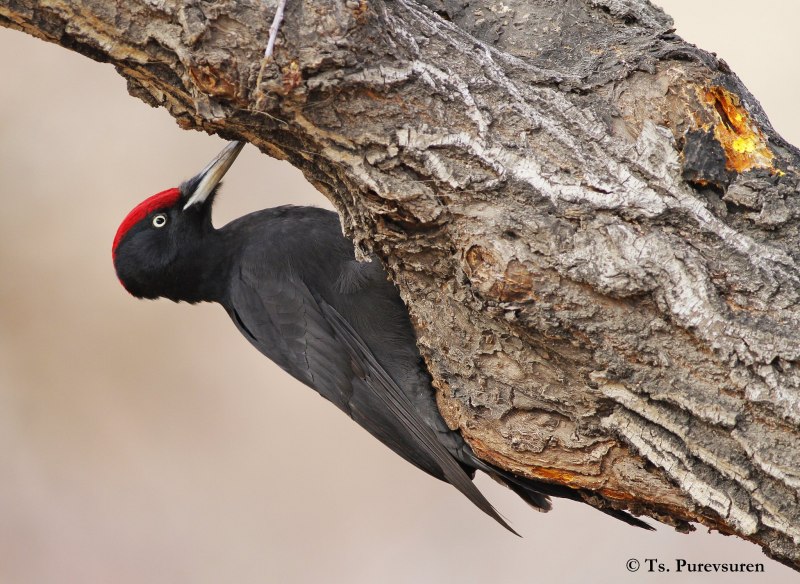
(159, 241)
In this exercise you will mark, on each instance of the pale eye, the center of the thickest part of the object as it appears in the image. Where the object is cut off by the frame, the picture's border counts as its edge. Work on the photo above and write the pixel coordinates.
(159, 220)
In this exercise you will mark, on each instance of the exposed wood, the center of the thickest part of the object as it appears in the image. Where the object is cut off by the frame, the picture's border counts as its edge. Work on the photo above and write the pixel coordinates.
(593, 223)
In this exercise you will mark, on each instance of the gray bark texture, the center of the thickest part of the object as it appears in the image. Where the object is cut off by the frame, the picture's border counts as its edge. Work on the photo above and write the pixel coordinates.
(594, 226)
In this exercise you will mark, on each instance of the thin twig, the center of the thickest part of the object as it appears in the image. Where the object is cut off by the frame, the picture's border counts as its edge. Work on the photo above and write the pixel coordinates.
(273, 29)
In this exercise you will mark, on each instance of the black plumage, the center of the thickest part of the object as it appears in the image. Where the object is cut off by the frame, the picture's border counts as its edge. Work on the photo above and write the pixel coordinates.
(290, 282)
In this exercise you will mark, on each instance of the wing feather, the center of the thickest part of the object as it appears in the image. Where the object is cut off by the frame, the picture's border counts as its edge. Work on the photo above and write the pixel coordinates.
(308, 338)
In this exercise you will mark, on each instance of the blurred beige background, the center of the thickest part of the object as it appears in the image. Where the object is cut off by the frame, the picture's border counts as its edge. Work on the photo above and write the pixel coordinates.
(149, 442)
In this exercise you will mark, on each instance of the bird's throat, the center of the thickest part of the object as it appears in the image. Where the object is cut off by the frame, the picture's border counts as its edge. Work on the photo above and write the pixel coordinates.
(200, 273)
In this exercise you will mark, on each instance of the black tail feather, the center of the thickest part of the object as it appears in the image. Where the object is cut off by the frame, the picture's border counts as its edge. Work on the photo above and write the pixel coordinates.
(539, 501)
(627, 518)
(537, 494)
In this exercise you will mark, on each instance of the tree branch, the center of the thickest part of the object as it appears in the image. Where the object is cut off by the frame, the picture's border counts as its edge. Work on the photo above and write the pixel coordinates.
(593, 223)
(273, 29)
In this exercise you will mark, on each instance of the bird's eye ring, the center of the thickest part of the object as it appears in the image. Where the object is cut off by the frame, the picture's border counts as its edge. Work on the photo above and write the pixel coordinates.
(159, 220)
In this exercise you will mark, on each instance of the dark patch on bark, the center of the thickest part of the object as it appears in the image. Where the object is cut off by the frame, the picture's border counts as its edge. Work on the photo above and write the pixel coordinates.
(704, 160)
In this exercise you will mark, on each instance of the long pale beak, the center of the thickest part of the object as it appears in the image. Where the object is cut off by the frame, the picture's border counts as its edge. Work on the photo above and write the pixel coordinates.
(213, 173)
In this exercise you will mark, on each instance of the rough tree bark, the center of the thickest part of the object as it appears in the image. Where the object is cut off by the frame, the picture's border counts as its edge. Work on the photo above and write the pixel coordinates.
(593, 223)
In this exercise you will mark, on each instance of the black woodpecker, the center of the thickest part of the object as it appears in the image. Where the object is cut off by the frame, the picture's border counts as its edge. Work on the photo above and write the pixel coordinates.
(291, 284)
